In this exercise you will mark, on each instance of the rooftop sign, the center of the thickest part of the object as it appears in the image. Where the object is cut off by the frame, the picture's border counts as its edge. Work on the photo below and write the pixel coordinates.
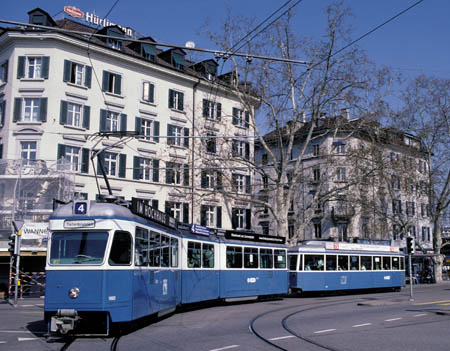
(94, 19)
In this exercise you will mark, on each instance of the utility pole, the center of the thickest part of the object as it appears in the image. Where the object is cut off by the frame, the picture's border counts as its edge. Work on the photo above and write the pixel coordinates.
(18, 231)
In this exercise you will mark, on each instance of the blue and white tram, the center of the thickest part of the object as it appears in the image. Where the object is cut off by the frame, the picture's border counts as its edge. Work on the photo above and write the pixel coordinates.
(110, 264)
(332, 266)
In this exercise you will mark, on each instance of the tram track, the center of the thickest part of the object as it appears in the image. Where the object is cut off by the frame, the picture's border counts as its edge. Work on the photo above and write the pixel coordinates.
(285, 326)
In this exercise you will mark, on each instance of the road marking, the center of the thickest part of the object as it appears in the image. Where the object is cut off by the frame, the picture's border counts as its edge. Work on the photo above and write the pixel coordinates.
(361, 325)
(324, 331)
(430, 303)
(26, 305)
(27, 339)
(225, 348)
(282, 337)
(2, 342)
(420, 315)
(444, 304)
(392, 319)
(15, 331)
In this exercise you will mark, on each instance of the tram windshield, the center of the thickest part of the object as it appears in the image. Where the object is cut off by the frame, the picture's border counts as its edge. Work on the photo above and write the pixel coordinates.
(79, 248)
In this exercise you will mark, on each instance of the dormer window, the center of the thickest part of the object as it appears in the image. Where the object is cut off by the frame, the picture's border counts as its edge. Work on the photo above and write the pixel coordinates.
(117, 34)
(178, 61)
(114, 44)
(149, 52)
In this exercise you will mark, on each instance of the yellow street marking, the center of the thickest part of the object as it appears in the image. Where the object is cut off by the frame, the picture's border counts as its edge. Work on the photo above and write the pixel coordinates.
(430, 303)
(444, 304)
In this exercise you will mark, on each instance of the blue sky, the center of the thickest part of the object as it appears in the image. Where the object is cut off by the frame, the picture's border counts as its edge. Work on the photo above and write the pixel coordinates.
(415, 43)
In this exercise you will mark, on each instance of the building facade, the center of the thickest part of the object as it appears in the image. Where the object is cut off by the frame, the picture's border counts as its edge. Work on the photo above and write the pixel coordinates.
(357, 182)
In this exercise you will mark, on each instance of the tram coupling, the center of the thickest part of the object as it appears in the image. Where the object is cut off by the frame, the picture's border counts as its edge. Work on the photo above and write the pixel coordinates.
(64, 321)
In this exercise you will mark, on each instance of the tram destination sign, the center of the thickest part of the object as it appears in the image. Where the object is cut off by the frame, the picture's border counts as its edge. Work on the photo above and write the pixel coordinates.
(141, 208)
(254, 237)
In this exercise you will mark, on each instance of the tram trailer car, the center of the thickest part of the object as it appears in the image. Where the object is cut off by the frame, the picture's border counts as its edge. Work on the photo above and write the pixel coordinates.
(110, 264)
(331, 266)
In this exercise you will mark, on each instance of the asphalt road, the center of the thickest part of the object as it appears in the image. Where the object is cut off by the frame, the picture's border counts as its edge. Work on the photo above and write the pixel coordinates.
(378, 321)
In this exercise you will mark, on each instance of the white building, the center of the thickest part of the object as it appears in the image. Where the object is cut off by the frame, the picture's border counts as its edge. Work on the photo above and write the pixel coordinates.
(157, 118)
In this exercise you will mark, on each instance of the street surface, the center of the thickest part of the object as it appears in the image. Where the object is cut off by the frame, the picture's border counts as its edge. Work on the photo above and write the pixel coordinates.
(376, 321)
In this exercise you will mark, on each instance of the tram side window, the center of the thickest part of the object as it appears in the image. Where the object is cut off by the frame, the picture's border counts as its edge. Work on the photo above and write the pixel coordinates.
(234, 257)
(395, 263)
(280, 259)
(314, 263)
(250, 257)
(386, 263)
(343, 262)
(402, 263)
(141, 247)
(293, 262)
(266, 258)
(366, 263)
(194, 254)
(208, 256)
(165, 251)
(121, 249)
(331, 262)
(155, 249)
(376, 263)
(174, 251)
(354, 263)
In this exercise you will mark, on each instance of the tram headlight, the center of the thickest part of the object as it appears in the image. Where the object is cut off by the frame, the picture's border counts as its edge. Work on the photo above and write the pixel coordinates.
(74, 292)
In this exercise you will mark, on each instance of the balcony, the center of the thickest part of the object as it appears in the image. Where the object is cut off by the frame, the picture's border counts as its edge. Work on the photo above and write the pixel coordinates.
(342, 212)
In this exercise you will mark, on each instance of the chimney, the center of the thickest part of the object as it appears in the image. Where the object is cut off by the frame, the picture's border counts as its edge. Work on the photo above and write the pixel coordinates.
(345, 113)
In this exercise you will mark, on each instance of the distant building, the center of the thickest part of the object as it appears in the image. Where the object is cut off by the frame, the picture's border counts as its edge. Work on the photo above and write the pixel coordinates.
(381, 174)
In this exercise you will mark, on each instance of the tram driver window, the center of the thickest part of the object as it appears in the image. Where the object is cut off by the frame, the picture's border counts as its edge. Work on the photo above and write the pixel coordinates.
(376, 263)
(331, 262)
(314, 263)
(234, 257)
(120, 249)
(280, 259)
(343, 262)
(250, 257)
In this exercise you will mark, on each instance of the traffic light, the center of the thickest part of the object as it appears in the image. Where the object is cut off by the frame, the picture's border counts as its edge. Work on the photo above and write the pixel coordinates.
(410, 245)
(12, 244)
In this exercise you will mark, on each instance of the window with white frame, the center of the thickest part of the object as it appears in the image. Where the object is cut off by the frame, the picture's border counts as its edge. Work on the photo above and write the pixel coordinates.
(114, 43)
(31, 110)
(112, 83)
(112, 121)
(176, 210)
(316, 150)
(28, 151)
(148, 92)
(241, 149)
(175, 173)
(208, 215)
(177, 135)
(316, 174)
(145, 168)
(212, 110)
(240, 218)
(211, 179)
(77, 73)
(340, 174)
(33, 67)
(211, 145)
(73, 157)
(238, 183)
(176, 100)
(110, 163)
(74, 114)
(146, 128)
(241, 118)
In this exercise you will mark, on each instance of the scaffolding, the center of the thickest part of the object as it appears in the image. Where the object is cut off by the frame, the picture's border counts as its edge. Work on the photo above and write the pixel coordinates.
(27, 191)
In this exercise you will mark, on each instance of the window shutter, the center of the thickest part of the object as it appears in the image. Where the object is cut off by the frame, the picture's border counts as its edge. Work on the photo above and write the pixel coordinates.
(185, 175)
(105, 81)
(67, 69)
(155, 204)
(235, 116)
(45, 67)
(186, 134)
(234, 148)
(151, 93)
(219, 111)
(136, 167)
(61, 151)
(2, 108)
(248, 218)
(180, 101)
(156, 131)
(17, 109)
(122, 165)
(219, 181)
(87, 76)
(155, 164)
(123, 122)
(85, 160)
(205, 108)
(234, 218)
(43, 110)
(185, 213)
(219, 216)
(170, 140)
(169, 173)
(1, 151)
(247, 151)
(63, 113)
(171, 92)
(100, 160)
(137, 125)
(86, 116)
(248, 188)
(247, 119)
(21, 67)
(103, 114)
(118, 84)
(203, 215)
(167, 207)
(203, 180)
